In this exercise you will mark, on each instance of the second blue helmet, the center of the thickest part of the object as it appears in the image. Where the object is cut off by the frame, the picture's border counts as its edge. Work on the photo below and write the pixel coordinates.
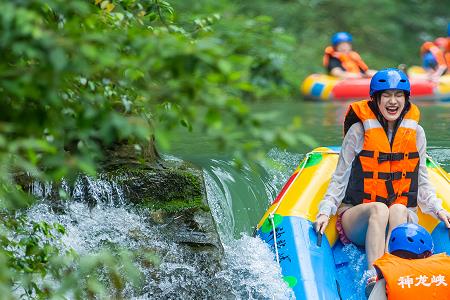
(412, 238)
(389, 79)
(341, 37)
(428, 61)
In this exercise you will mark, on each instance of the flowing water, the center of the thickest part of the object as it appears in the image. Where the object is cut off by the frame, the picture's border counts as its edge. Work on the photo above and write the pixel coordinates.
(238, 199)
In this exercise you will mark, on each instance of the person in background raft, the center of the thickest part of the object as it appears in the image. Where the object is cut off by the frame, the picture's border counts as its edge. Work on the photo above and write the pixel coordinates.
(429, 63)
(410, 270)
(381, 176)
(341, 61)
(436, 56)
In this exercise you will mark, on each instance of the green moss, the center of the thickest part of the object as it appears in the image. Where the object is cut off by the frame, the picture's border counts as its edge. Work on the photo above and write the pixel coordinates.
(175, 205)
(168, 188)
(194, 181)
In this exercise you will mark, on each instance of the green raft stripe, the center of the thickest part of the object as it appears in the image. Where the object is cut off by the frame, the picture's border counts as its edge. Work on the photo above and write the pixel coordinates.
(290, 280)
(267, 225)
(314, 159)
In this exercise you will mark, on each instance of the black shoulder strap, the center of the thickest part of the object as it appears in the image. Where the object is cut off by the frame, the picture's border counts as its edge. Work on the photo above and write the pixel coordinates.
(350, 119)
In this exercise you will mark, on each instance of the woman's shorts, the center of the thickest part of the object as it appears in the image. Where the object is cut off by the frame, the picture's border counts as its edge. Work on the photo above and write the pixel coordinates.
(340, 229)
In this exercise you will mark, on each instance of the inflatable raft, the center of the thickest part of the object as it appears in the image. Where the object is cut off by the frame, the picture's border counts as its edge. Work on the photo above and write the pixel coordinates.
(321, 268)
(325, 88)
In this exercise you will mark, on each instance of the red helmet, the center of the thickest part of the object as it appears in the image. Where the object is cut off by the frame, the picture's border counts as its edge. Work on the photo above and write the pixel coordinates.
(441, 42)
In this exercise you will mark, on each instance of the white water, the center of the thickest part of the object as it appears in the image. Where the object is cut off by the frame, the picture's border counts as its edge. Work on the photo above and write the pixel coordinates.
(105, 220)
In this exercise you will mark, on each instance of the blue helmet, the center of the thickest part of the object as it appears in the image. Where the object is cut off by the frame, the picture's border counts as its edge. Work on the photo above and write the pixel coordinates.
(410, 237)
(428, 61)
(341, 37)
(389, 79)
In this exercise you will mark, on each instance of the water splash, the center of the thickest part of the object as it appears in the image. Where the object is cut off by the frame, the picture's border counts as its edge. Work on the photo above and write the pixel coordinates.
(440, 155)
(249, 270)
(219, 197)
(95, 191)
(250, 267)
(356, 271)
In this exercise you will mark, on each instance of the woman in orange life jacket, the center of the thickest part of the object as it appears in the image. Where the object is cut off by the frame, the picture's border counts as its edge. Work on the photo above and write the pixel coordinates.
(410, 270)
(381, 175)
(341, 61)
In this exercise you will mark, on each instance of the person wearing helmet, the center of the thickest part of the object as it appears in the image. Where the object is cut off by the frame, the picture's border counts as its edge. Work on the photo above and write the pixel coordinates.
(381, 177)
(410, 270)
(443, 43)
(429, 63)
(436, 57)
(341, 61)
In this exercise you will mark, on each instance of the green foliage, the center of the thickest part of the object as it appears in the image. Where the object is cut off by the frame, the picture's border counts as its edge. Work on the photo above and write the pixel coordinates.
(79, 77)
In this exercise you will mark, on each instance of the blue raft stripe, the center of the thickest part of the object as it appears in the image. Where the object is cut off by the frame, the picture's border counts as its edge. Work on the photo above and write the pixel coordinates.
(317, 89)
(441, 239)
(300, 257)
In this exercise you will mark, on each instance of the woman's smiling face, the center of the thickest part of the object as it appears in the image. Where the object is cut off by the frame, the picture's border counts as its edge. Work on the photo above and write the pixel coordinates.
(391, 104)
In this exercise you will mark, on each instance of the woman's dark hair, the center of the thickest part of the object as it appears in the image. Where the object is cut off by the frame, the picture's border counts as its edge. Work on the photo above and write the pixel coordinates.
(410, 255)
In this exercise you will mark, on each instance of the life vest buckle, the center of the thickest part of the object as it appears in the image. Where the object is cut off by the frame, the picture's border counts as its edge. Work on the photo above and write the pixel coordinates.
(390, 157)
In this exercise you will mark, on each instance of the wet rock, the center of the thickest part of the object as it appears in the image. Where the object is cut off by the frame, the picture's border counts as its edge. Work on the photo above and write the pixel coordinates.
(172, 197)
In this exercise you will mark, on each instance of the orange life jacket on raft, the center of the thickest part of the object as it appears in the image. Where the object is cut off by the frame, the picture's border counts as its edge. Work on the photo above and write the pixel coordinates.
(383, 171)
(351, 62)
(442, 59)
(416, 279)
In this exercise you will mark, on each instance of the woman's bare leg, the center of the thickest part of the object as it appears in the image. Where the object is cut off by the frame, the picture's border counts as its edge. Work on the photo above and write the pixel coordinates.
(398, 214)
(365, 225)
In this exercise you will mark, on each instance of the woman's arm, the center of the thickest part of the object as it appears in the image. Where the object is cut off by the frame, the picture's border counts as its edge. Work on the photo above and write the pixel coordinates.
(351, 145)
(426, 198)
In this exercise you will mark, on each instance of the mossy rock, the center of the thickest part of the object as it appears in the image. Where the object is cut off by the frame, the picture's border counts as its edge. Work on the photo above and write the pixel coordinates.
(170, 187)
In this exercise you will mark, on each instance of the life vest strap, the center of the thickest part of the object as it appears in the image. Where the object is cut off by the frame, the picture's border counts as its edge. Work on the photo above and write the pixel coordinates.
(386, 175)
(383, 156)
(390, 175)
(389, 200)
(411, 174)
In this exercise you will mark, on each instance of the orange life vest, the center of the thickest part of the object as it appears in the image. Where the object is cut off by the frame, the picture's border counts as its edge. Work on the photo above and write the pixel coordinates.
(383, 171)
(416, 279)
(447, 59)
(440, 57)
(351, 62)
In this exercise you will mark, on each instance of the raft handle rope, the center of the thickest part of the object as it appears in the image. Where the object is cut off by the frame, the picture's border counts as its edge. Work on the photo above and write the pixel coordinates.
(272, 213)
(438, 168)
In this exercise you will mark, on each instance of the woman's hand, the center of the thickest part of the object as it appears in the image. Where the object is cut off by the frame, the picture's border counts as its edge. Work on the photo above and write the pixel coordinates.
(443, 215)
(321, 223)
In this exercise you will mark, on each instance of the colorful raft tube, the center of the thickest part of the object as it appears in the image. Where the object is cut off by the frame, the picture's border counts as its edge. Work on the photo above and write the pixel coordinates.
(326, 271)
(324, 87)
